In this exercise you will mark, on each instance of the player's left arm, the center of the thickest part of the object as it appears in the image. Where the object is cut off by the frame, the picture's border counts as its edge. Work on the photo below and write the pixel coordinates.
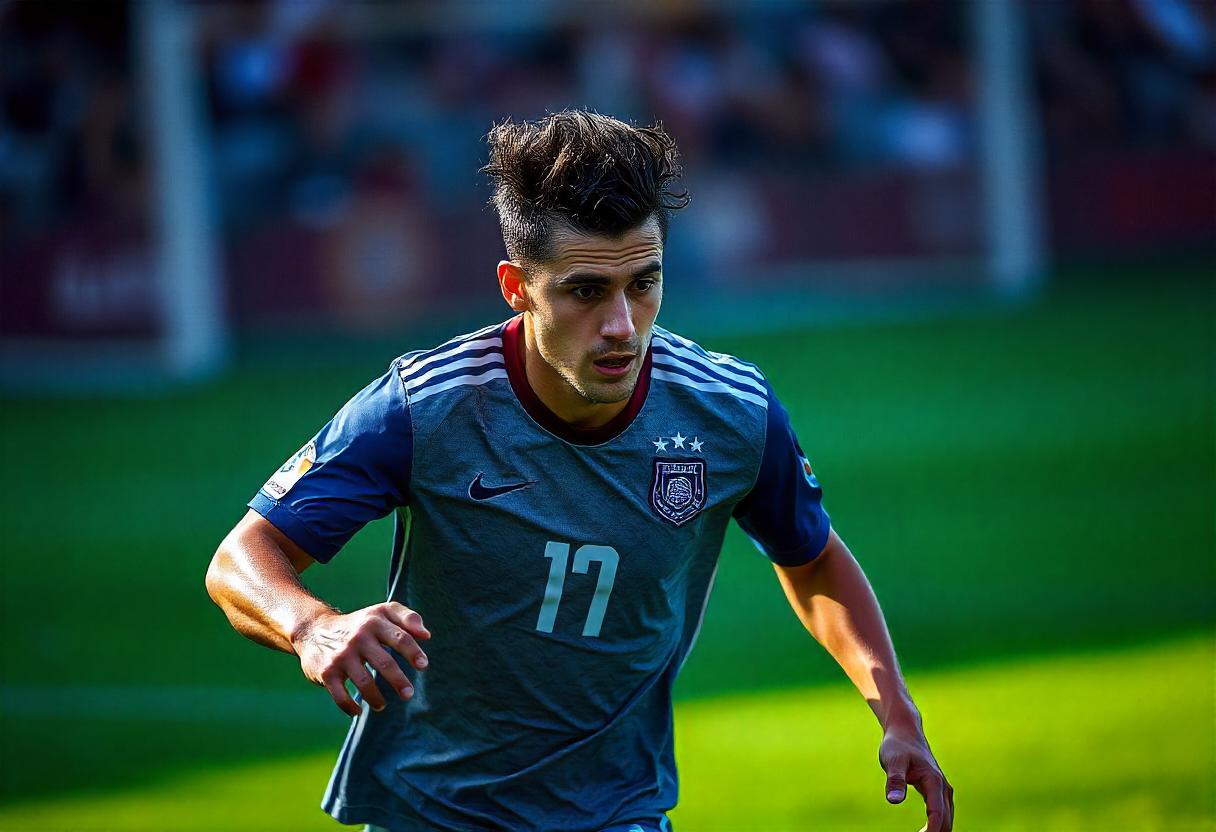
(784, 515)
(834, 600)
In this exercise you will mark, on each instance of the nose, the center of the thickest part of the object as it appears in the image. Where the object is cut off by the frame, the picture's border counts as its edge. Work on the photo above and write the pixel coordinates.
(618, 319)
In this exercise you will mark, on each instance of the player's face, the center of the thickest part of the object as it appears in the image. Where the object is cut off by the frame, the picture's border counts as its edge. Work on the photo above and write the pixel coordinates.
(592, 306)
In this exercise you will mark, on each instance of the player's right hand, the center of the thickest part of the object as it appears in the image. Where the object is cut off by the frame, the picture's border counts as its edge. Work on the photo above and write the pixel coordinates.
(335, 647)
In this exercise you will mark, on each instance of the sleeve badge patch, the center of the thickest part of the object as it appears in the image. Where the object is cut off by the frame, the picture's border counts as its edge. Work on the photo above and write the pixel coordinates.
(807, 472)
(291, 471)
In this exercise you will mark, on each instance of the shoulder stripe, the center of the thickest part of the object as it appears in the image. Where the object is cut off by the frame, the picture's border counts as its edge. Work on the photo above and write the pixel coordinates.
(473, 380)
(708, 386)
(459, 362)
(678, 357)
(699, 373)
(415, 366)
(719, 358)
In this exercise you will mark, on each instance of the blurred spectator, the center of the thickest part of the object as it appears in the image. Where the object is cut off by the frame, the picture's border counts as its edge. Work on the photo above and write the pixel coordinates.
(378, 258)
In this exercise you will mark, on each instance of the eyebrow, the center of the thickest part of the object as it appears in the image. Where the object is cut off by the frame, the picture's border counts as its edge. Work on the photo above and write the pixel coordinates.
(592, 279)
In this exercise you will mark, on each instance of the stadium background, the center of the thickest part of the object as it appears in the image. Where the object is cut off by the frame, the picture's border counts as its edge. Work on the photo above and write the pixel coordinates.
(217, 221)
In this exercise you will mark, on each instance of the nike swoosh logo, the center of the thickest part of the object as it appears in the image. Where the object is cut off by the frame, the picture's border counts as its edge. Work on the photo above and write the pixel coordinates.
(484, 492)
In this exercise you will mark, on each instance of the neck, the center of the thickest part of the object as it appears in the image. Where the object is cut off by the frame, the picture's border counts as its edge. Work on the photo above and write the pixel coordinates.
(556, 393)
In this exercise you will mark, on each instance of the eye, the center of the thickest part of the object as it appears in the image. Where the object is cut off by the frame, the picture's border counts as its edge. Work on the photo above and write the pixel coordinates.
(586, 293)
(644, 284)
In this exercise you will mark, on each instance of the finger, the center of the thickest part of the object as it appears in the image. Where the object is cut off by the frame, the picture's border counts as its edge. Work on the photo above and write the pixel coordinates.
(392, 636)
(936, 821)
(897, 780)
(932, 788)
(949, 808)
(363, 680)
(334, 682)
(386, 666)
(408, 619)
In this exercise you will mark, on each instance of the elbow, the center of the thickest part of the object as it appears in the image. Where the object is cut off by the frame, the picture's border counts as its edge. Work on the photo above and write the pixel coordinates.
(218, 571)
(212, 581)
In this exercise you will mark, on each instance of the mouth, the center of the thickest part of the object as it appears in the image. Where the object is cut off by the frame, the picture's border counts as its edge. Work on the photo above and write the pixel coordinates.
(615, 365)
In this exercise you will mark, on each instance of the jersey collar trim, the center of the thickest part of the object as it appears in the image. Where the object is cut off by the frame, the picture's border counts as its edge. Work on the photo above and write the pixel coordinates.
(513, 354)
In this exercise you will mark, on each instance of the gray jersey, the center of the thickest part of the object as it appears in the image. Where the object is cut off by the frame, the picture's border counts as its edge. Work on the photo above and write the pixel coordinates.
(562, 572)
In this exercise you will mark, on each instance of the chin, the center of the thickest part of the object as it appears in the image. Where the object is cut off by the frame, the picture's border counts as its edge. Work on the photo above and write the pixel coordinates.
(614, 395)
(610, 392)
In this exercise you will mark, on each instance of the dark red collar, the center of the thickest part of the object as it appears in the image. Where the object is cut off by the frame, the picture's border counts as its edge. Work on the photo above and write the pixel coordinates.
(513, 353)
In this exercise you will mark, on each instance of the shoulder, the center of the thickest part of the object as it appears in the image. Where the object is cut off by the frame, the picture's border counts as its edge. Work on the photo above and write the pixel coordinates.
(728, 381)
(453, 367)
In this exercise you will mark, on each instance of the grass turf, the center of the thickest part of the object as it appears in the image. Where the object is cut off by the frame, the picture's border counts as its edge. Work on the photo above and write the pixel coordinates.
(1111, 740)
(1029, 480)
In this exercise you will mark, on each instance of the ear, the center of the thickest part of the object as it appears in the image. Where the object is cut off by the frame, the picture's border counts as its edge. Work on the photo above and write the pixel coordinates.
(511, 282)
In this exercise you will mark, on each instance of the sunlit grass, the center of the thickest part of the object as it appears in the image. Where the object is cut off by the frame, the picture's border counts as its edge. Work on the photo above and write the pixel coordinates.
(1109, 742)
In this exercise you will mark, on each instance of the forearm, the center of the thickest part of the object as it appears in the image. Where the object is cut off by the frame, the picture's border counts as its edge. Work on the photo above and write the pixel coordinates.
(254, 583)
(836, 604)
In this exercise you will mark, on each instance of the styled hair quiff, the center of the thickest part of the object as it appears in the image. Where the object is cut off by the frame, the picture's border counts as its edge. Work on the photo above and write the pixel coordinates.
(592, 172)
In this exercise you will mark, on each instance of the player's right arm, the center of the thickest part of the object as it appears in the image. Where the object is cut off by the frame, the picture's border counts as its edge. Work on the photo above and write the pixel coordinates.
(356, 469)
(254, 577)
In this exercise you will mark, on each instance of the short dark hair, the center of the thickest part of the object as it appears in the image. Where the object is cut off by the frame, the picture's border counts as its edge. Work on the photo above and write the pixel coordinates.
(595, 173)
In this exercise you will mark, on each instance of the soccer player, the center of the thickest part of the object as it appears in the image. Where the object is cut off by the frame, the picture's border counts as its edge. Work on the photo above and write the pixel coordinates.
(561, 484)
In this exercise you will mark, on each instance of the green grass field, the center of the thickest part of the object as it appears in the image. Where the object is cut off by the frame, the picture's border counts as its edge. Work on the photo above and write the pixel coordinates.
(1099, 741)
(1030, 489)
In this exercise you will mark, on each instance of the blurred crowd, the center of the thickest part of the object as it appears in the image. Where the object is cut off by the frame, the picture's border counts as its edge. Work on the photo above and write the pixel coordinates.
(308, 105)
(1125, 72)
(835, 84)
(325, 115)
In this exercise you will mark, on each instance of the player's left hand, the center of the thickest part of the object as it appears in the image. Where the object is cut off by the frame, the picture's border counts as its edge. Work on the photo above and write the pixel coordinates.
(906, 758)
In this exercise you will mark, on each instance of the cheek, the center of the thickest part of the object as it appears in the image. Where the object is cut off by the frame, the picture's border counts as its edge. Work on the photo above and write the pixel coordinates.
(558, 335)
(646, 311)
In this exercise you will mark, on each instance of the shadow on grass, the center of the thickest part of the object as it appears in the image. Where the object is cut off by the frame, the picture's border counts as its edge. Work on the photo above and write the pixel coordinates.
(43, 755)
(73, 754)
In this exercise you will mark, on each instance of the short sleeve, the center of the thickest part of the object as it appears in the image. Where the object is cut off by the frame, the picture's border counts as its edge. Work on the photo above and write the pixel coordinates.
(355, 470)
(783, 513)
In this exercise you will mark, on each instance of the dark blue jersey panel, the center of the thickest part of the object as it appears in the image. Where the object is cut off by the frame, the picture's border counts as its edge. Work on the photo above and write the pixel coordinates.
(356, 469)
(783, 513)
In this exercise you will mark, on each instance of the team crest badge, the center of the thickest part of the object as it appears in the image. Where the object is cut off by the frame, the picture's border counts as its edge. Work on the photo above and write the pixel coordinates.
(677, 492)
